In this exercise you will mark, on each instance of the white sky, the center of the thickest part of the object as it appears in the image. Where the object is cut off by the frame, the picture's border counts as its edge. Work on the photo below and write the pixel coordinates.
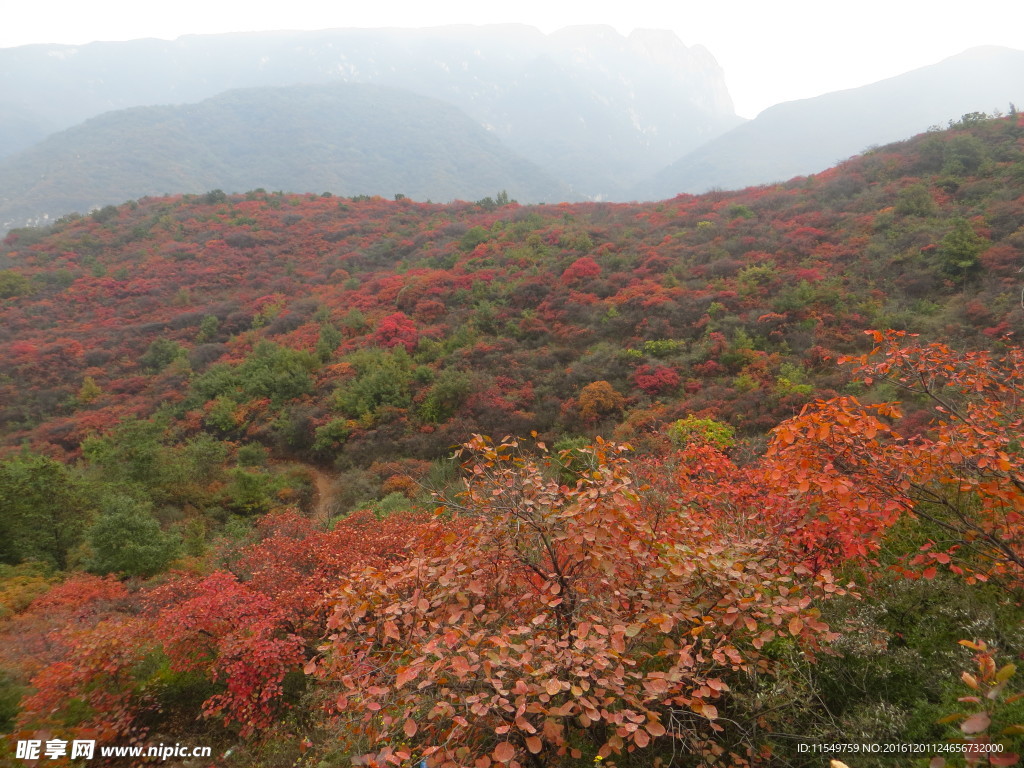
(771, 50)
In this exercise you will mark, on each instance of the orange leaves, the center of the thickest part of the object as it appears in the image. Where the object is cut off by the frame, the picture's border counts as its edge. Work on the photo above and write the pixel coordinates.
(965, 474)
(566, 607)
(390, 630)
(406, 675)
(618, 642)
(504, 752)
(460, 666)
(599, 399)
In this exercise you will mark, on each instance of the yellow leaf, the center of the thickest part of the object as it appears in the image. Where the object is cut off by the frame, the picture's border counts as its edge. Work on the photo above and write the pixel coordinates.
(1006, 673)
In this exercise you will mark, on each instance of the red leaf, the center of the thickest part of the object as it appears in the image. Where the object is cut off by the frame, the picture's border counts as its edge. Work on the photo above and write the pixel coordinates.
(976, 723)
(504, 752)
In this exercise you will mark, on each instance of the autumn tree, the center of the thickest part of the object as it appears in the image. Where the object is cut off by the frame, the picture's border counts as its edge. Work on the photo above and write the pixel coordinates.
(599, 399)
(545, 621)
(239, 639)
(963, 477)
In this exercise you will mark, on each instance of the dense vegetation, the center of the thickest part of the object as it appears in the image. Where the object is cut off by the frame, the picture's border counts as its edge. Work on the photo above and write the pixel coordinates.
(227, 422)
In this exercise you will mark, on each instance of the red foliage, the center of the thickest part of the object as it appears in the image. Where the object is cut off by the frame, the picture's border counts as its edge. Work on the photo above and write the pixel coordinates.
(656, 379)
(965, 475)
(239, 638)
(581, 269)
(397, 329)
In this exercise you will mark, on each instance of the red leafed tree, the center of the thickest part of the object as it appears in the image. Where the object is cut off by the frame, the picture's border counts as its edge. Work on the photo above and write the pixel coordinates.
(583, 267)
(96, 689)
(295, 565)
(547, 620)
(656, 379)
(397, 329)
(239, 638)
(80, 645)
(964, 476)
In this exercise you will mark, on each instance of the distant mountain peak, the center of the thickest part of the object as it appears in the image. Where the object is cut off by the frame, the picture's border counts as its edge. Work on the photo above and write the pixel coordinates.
(595, 108)
(806, 136)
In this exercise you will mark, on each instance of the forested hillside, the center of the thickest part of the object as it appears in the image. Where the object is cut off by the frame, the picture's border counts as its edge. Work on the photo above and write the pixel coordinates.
(742, 522)
(347, 138)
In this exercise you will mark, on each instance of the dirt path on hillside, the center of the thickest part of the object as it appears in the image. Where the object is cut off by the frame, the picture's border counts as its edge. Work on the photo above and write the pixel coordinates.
(323, 508)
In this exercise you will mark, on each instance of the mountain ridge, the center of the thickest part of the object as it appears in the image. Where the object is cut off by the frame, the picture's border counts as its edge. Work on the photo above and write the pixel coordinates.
(344, 138)
(599, 93)
(809, 135)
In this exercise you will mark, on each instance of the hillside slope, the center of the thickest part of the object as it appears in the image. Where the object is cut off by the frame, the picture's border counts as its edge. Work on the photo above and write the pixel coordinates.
(341, 330)
(344, 138)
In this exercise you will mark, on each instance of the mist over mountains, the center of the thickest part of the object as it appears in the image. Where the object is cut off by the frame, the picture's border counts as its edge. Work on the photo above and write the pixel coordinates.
(446, 113)
(807, 136)
(346, 138)
(639, 101)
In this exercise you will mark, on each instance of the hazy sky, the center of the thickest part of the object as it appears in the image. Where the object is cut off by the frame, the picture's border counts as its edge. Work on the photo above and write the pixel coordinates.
(771, 51)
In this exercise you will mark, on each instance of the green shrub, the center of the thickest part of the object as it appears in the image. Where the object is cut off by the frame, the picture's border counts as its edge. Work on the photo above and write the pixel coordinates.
(693, 430)
(127, 539)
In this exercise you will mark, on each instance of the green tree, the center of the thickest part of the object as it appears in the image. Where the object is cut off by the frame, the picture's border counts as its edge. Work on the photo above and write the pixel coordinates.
(131, 454)
(384, 380)
(446, 395)
(127, 539)
(959, 250)
(44, 510)
(277, 372)
(328, 341)
(683, 432)
(161, 353)
(208, 328)
(963, 154)
(89, 390)
(916, 200)
(13, 284)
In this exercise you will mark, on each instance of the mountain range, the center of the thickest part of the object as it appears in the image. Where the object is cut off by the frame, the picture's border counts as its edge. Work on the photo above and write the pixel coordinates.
(807, 136)
(447, 113)
(639, 101)
(345, 138)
